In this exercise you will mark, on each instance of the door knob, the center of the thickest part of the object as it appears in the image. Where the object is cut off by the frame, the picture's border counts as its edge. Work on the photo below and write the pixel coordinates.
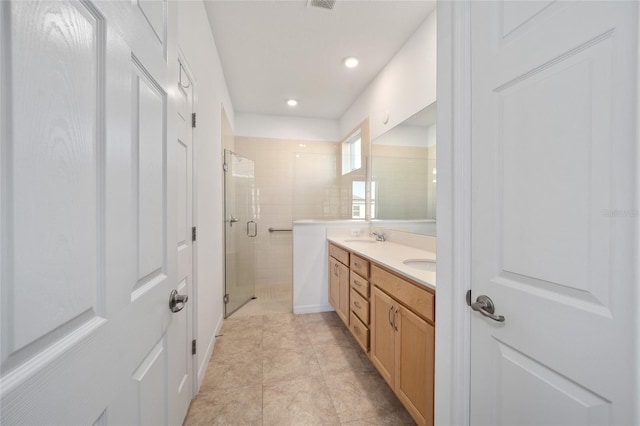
(177, 301)
(485, 306)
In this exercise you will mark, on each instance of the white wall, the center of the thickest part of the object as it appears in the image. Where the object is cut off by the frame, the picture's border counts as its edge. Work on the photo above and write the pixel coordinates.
(280, 127)
(311, 263)
(406, 85)
(409, 136)
(199, 49)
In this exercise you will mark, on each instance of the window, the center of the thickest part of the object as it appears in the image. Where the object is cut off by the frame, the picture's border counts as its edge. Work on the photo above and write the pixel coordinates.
(373, 200)
(352, 153)
(358, 199)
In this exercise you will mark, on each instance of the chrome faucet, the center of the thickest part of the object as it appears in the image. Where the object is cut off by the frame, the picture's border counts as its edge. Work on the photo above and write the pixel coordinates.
(379, 236)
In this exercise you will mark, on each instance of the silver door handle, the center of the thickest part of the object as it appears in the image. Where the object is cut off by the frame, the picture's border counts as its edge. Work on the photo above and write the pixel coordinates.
(232, 220)
(485, 306)
(177, 301)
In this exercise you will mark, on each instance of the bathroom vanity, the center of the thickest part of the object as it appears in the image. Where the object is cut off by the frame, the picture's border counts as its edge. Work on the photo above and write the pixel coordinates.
(385, 294)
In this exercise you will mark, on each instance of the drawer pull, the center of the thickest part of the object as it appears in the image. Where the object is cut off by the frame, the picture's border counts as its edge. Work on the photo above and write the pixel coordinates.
(389, 315)
(395, 314)
(356, 304)
(358, 283)
(356, 329)
(356, 264)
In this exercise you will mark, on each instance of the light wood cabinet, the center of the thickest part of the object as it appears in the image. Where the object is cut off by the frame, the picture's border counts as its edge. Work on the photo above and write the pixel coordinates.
(359, 300)
(402, 341)
(339, 282)
(383, 335)
(334, 283)
(392, 319)
(414, 369)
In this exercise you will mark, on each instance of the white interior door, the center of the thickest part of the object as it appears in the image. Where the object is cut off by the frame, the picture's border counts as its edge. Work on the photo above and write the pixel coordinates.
(88, 230)
(181, 365)
(553, 224)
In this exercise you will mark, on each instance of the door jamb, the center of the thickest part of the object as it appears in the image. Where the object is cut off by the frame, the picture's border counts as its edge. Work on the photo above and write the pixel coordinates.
(194, 222)
(453, 333)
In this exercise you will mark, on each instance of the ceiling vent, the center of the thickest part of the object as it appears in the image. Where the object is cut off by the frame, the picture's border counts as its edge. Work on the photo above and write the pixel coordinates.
(324, 4)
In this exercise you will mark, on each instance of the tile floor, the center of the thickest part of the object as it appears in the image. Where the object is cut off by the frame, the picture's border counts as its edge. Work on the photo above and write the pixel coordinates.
(285, 369)
(269, 300)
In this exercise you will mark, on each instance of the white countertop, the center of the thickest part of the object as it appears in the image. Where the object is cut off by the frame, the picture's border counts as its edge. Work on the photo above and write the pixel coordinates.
(391, 255)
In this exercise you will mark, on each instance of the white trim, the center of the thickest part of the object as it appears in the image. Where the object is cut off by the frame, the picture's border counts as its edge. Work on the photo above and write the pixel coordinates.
(202, 368)
(636, 244)
(195, 384)
(310, 309)
(453, 337)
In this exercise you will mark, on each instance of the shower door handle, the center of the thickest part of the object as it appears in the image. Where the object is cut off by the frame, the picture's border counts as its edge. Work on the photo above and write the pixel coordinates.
(255, 229)
(232, 220)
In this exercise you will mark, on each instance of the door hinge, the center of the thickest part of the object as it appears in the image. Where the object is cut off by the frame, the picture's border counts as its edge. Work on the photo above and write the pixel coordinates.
(193, 347)
(469, 297)
(224, 167)
(193, 234)
(193, 120)
(226, 298)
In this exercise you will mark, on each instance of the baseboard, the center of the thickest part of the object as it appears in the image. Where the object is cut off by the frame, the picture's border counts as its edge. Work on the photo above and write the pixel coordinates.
(202, 368)
(309, 309)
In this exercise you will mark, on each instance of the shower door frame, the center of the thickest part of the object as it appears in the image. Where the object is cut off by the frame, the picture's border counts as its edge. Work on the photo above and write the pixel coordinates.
(247, 232)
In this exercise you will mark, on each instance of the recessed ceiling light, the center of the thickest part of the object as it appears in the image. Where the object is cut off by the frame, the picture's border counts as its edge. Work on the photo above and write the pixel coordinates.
(350, 62)
(292, 102)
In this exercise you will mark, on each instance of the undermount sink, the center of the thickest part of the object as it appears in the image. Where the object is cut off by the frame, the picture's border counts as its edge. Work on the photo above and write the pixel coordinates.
(360, 241)
(423, 264)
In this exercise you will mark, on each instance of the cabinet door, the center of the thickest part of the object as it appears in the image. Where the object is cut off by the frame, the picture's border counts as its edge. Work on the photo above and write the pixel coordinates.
(414, 353)
(343, 286)
(383, 334)
(334, 281)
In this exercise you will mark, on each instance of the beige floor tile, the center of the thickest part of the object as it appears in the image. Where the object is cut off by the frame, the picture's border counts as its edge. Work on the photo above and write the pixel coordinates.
(361, 396)
(288, 364)
(232, 346)
(322, 334)
(308, 367)
(400, 417)
(242, 325)
(280, 321)
(303, 401)
(239, 406)
(322, 317)
(285, 338)
(335, 359)
(259, 307)
(232, 372)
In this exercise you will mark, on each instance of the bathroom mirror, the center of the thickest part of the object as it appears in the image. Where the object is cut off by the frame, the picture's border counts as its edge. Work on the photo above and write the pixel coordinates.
(403, 175)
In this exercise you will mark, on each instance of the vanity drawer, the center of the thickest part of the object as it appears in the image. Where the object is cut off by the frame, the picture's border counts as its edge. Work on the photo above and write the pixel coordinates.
(360, 284)
(360, 332)
(340, 254)
(359, 265)
(414, 296)
(360, 306)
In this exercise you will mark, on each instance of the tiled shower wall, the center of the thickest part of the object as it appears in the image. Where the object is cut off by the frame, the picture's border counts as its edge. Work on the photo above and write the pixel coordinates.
(274, 179)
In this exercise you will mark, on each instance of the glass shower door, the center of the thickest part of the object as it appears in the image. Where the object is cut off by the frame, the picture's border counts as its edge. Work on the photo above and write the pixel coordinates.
(241, 229)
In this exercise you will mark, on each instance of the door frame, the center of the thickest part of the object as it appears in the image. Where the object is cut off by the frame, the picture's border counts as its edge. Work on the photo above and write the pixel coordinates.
(453, 319)
(194, 215)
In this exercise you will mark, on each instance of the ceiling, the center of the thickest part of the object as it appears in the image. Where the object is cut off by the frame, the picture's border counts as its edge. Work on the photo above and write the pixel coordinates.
(273, 50)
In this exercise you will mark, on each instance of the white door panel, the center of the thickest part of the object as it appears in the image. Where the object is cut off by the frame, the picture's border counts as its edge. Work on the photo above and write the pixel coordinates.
(86, 206)
(59, 154)
(553, 87)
